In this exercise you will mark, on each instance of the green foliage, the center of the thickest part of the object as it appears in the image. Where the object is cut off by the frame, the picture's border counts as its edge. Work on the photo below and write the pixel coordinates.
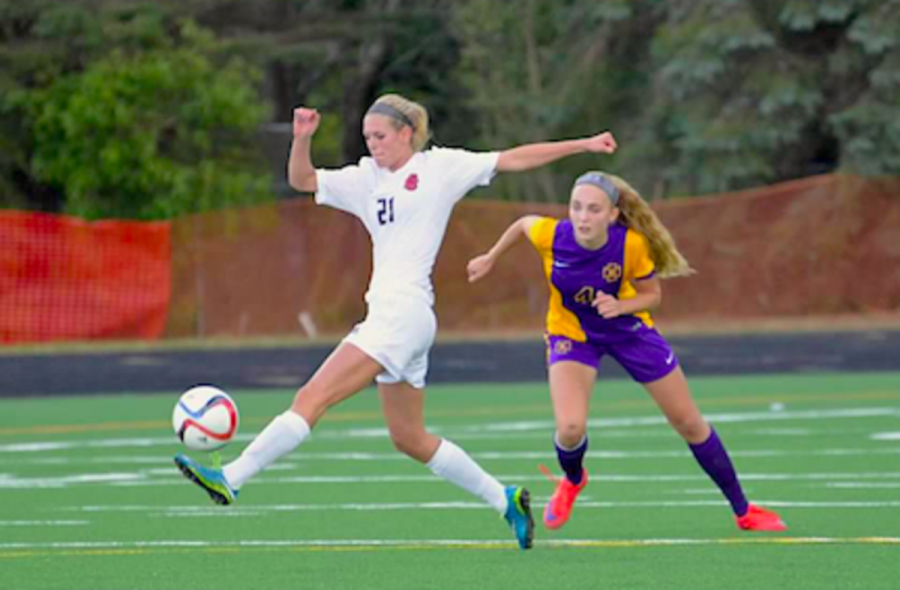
(123, 111)
(111, 108)
(871, 133)
(752, 90)
(149, 134)
(550, 69)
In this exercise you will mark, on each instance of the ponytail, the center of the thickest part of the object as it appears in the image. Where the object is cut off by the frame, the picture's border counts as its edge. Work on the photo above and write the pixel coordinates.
(635, 213)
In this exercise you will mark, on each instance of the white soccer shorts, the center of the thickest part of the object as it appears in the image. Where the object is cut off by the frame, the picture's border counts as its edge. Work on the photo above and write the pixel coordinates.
(398, 333)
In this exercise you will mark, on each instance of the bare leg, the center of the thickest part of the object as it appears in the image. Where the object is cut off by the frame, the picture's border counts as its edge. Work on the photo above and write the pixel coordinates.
(571, 384)
(404, 411)
(345, 372)
(673, 396)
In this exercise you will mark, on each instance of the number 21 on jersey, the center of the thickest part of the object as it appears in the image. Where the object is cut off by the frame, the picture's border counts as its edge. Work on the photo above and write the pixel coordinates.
(386, 210)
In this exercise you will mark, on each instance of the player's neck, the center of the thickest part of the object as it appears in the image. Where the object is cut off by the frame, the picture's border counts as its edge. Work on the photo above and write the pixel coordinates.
(401, 162)
(594, 244)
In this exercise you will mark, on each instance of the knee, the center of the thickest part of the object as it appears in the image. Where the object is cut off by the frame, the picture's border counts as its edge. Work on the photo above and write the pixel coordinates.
(693, 430)
(310, 402)
(412, 443)
(569, 433)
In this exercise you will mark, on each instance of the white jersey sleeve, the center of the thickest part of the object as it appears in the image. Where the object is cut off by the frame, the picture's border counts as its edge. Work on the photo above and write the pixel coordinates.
(464, 170)
(346, 188)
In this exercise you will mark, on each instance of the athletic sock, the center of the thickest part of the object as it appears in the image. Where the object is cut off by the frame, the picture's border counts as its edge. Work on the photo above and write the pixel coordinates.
(453, 464)
(572, 460)
(280, 437)
(713, 458)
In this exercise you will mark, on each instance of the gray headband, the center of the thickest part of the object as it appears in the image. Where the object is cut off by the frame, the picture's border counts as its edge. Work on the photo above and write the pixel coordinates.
(383, 108)
(602, 182)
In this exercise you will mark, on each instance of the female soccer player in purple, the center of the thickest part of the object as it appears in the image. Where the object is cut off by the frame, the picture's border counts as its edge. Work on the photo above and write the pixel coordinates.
(603, 266)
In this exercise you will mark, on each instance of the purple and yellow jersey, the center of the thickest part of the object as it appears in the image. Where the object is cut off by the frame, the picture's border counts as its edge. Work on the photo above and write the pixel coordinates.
(575, 275)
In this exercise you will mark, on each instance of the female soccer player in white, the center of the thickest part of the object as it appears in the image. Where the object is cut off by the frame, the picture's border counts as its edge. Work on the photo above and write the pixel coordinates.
(404, 197)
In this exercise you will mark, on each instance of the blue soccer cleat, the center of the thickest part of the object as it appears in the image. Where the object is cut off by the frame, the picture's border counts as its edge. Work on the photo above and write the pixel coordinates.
(211, 480)
(518, 515)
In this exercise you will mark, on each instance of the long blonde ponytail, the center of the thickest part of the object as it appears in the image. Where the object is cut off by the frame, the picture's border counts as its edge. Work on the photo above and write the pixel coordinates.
(635, 213)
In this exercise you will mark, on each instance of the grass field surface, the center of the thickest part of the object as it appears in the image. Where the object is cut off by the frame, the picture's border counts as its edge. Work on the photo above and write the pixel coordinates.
(91, 500)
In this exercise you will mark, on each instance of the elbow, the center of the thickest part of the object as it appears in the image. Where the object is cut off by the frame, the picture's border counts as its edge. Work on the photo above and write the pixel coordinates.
(507, 162)
(303, 183)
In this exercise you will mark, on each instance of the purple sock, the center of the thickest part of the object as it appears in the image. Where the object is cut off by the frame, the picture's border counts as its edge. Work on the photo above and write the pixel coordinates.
(714, 460)
(572, 460)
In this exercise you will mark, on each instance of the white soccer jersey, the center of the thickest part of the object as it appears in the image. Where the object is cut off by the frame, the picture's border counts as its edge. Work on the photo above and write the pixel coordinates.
(405, 212)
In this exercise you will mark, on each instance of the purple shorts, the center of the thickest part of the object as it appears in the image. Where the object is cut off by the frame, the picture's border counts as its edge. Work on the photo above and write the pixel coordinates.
(646, 356)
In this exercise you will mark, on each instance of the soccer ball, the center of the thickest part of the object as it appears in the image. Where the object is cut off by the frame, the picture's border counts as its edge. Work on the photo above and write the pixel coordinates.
(205, 418)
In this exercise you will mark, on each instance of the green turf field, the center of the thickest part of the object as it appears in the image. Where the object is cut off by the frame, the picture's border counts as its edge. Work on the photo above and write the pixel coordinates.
(91, 500)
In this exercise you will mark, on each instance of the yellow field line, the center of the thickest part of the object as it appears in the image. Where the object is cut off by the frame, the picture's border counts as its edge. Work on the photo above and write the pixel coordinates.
(362, 546)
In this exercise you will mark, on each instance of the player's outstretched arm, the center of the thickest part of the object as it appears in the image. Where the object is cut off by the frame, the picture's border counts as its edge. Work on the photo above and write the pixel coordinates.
(534, 155)
(301, 172)
(480, 266)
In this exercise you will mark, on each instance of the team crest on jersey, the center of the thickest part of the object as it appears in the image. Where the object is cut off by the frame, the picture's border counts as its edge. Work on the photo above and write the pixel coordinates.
(612, 272)
(412, 182)
(562, 346)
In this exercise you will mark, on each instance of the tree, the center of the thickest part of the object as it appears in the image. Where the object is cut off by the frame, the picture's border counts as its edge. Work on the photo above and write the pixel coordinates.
(154, 127)
(754, 91)
(338, 56)
(551, 69)
(705, 95)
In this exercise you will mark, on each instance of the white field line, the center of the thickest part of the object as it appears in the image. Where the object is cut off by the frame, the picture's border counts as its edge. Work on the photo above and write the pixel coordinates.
(546, 426)
(159, 477)
(414, 544)
(165, 461)
(33, 523)
(184, 511)
(862, 485)
(886, 436)
(548, 455)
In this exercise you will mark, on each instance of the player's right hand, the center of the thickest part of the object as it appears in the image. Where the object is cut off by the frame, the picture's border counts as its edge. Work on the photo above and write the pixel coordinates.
(479, 266)
(306, 121)
(603, 143)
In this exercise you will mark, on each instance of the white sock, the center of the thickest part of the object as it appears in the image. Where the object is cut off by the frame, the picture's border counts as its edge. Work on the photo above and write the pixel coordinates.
(280, 437)
(453, 464)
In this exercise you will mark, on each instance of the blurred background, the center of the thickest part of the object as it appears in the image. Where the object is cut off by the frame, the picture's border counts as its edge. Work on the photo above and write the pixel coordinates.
(143, 148)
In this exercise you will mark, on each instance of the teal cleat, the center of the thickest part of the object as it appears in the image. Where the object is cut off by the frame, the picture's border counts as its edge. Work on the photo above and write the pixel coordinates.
(211, 480)
(518, 515)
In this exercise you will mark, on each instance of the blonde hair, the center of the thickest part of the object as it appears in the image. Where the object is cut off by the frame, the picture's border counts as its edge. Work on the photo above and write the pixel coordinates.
(635, 213)
(413, 111)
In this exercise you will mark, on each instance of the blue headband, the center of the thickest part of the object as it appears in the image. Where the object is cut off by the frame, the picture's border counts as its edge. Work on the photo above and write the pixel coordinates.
(383, 108)
(601, 181)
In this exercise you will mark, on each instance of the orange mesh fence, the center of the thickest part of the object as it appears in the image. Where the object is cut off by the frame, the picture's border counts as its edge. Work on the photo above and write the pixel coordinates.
(66, 279)
(819, 246)
(269, 270)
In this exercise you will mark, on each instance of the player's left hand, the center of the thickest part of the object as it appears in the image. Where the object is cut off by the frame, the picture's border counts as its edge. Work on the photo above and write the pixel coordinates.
(479, 266)
(603, 143)
(607, 305)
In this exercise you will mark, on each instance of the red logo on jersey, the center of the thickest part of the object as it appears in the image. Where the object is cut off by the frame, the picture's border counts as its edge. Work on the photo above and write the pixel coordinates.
(412, 182)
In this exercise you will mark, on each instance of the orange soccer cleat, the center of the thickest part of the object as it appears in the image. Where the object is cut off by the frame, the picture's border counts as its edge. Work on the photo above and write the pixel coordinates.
(760, 519)
(558, 510)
